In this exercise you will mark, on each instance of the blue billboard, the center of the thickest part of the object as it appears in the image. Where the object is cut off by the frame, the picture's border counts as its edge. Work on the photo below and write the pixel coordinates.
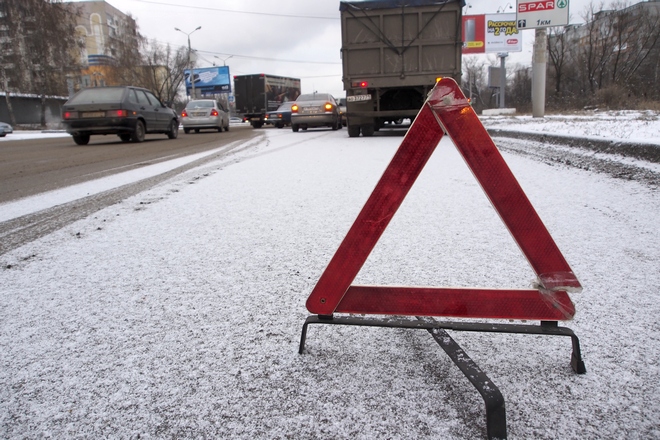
(209, 80)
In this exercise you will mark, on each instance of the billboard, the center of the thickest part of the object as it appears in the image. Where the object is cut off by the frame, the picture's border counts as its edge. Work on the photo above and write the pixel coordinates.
(541, 14)
(491, 33)
(502, 35)
(474, 34)
(209, 80)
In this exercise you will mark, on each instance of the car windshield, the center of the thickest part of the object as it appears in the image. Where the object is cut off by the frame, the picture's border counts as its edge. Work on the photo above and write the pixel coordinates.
(314, 97)
(200, 104)
(100, 95)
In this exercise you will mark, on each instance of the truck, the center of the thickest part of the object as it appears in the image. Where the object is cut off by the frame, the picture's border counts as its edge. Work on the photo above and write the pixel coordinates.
(258, 94)
(393, 53)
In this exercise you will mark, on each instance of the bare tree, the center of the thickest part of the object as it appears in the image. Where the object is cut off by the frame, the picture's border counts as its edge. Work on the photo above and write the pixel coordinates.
(596, 48)
(636, 36)
(558, 51)
(163, 70)
(474, 79)
(40, 47)
(124, 49)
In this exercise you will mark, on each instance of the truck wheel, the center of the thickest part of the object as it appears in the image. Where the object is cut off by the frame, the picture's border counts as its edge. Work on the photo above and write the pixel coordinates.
(368, 130)
(353, 131)
(295, 127)
(257, 124)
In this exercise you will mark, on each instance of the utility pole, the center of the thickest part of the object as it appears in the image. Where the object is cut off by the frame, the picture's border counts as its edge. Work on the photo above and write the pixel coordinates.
(190, 63)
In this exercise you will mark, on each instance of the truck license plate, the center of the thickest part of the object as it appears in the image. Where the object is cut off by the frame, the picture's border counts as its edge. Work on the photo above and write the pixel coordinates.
(356, 98)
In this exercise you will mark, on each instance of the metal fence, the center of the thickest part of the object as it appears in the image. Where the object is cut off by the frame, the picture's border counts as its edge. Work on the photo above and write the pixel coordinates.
(27, 110)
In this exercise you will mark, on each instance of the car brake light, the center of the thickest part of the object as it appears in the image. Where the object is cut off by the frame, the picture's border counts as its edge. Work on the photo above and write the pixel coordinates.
(294, 108)
(328, 107)
(184, 114)
(214, 112)
(70, 115)
(116, 113)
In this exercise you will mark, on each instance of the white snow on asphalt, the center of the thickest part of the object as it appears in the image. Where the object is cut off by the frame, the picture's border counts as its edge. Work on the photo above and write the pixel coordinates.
(177, 313)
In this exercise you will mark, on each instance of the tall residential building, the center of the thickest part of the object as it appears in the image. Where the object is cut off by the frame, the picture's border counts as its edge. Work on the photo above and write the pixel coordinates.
(109, 36)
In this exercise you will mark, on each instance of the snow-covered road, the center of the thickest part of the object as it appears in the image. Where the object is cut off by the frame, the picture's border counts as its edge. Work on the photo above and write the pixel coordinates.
(177, 313)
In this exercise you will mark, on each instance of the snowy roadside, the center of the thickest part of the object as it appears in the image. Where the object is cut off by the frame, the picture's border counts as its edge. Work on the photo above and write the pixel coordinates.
(177, 313)
(631, 126)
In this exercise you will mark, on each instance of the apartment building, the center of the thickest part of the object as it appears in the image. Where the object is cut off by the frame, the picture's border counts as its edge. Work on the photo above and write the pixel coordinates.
(107, 36)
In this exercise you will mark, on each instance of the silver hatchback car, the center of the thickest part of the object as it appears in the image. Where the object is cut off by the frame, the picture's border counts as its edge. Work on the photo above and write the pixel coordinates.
(204, 114)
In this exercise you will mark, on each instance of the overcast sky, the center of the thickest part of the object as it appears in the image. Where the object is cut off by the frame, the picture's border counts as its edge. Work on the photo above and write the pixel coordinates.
(299, 38)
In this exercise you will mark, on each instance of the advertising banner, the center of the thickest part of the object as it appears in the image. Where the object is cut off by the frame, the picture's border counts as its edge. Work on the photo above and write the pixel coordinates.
(491, 33)
(502, 35)
(209, 80)
(474, 34)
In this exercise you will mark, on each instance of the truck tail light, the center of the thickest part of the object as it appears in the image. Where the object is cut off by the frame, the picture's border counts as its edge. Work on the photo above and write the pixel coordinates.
(360, 84)
(294, 108)
(214, 112)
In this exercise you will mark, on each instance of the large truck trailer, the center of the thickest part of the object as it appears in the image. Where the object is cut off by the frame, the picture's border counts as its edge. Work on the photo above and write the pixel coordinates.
(393, 53)
(260, 93)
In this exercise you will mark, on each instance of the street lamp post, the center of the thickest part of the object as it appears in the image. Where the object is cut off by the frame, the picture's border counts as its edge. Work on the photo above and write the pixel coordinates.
(224, 60)
(192, 72)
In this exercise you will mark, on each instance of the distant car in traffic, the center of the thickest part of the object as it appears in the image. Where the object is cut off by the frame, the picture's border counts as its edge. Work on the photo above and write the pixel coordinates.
(204, 114)
(280, 117)
(315, 110)
(235, 121)
(5, 129)
(129, 112)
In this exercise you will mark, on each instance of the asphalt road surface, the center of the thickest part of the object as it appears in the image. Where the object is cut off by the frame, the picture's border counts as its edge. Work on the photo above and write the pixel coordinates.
(29, 167)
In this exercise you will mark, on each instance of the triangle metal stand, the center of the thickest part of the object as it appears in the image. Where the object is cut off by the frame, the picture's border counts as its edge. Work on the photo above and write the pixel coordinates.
(495, 410)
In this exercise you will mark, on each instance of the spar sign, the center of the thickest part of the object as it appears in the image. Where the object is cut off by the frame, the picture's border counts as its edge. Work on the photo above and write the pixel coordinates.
(541, 13)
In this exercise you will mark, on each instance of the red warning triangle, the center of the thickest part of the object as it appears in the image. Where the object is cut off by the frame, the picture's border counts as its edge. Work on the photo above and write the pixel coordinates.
(448, 111)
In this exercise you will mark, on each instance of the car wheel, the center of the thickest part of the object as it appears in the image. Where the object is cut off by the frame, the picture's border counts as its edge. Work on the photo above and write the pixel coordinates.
(197, 130)
(353, 131)
(227, 127)
(186, 130)
(125, 137)
(173, 132)
(3, 135)
(295, 127)
(81, 139)
(138, 134)
(335, 127)
(219, 129)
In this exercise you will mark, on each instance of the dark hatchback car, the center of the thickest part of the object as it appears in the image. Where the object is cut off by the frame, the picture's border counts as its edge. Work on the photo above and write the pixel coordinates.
(280, 117)
(129, 112)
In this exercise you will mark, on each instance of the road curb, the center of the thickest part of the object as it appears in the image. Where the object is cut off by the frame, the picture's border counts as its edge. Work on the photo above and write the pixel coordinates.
(639, 150)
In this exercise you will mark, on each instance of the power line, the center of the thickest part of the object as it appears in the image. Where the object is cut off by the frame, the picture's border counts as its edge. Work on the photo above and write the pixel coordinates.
(237, 12)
